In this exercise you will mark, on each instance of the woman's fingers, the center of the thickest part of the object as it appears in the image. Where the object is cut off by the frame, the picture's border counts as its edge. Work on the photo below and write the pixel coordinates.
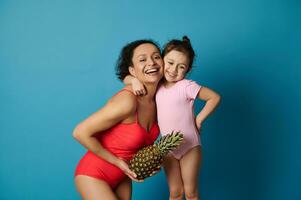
(130, 173)
(133, 176)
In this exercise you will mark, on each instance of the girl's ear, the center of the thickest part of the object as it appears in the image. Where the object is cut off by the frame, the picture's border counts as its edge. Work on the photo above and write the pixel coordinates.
(132, 71)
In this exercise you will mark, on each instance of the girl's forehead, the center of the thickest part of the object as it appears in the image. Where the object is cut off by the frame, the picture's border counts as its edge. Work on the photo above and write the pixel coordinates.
(176, 55)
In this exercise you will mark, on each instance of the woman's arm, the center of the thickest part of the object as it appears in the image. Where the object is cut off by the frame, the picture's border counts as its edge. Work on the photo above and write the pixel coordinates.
(212, 100)
(137, 86)
(119, 108)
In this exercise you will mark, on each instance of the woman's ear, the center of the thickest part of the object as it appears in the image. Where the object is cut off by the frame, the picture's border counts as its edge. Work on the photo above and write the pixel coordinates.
(132, 71)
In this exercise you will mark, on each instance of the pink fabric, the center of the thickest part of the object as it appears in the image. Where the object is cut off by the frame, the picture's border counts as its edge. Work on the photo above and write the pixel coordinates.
(176, 113)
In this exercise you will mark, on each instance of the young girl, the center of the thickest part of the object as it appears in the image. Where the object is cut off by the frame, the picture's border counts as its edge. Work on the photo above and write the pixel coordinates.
(175, 98)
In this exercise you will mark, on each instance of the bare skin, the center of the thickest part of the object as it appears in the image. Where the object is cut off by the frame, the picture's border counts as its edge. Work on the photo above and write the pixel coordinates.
(182, 175)
(93, 189)
(121, 108)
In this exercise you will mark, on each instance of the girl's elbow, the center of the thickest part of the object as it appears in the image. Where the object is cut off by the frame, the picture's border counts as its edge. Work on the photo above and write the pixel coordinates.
(218, 98)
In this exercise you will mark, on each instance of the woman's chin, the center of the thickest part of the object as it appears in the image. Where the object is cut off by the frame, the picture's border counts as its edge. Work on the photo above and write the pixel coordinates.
(152, 78)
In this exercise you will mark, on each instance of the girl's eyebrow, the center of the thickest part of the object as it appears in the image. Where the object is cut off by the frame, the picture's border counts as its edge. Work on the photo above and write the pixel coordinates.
(169, 59)
(182, 64)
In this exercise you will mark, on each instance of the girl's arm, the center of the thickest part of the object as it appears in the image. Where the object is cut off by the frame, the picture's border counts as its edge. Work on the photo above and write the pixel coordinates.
(212, 100)
(137, 86)
(118, 109)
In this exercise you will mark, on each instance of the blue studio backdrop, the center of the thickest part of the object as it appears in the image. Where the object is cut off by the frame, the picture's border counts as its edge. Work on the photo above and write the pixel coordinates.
(57, 62)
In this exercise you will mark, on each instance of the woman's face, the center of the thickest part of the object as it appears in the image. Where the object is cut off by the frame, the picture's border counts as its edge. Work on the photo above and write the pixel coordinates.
(176, 66)
(147, 64)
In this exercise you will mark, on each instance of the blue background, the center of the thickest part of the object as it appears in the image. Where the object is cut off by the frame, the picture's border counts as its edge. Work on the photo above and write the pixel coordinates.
(57, 63)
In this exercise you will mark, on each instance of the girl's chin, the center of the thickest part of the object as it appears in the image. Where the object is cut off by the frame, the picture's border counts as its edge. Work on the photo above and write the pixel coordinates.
(168, 79)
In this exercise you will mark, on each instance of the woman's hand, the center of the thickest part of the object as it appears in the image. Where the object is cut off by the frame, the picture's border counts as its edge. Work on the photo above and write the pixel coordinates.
(125, 168)
(138, 87)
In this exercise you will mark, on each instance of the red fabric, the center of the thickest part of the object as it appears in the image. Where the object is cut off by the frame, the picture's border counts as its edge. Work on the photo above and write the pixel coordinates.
(123, 140)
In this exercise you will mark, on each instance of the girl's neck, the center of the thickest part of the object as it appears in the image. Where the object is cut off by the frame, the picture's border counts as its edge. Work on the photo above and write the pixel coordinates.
(168, 84)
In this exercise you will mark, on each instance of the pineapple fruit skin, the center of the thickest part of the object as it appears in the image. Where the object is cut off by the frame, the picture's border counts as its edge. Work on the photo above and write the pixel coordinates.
(150, 158)
(146, 161)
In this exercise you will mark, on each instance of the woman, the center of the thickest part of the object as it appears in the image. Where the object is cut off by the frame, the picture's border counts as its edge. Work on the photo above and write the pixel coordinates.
(117, 131)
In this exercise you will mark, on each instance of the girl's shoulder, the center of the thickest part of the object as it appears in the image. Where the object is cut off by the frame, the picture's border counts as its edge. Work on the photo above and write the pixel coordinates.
(187, 82)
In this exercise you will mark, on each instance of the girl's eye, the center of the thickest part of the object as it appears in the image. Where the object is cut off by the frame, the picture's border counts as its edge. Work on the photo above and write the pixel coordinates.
(182, 67)
(171, 63)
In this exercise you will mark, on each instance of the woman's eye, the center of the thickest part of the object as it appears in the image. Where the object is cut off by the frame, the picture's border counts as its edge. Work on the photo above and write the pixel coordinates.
(142, 60)
(157, 57)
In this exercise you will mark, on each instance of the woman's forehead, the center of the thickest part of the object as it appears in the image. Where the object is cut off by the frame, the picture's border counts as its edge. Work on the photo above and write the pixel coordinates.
(146, 49)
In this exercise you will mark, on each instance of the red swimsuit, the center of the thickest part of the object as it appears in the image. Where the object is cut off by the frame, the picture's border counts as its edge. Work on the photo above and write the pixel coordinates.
(123, 140)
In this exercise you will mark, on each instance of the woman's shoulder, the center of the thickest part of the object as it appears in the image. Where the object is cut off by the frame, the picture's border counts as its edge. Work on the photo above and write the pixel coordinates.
(125, 99)
(127, 90)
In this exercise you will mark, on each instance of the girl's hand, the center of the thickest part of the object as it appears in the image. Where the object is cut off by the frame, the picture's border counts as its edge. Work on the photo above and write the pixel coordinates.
(125, 168)
(138, 87)
(198, 124)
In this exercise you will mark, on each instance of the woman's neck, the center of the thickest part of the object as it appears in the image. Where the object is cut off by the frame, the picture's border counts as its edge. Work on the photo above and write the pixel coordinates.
(150, 92)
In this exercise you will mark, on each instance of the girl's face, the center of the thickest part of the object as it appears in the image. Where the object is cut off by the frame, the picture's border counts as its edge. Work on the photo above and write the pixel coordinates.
(175, 66)
(147, 64)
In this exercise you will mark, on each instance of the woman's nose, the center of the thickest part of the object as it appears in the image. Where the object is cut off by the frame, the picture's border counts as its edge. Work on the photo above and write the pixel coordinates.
(151, 62)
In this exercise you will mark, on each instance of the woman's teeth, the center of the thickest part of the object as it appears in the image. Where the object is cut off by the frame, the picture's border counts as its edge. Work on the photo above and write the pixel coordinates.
(149, 71)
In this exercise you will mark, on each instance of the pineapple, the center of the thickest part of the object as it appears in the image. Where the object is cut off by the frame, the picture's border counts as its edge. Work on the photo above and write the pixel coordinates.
(148, 159)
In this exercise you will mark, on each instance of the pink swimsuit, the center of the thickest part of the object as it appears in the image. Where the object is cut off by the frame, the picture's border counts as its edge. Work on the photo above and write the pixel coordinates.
(176, 113)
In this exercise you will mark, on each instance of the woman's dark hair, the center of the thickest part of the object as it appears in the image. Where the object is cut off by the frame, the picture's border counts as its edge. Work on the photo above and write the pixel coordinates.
(126, 55)
(183, 46)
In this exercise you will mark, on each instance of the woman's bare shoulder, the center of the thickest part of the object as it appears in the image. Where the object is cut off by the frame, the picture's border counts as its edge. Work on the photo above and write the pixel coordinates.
(125, 99)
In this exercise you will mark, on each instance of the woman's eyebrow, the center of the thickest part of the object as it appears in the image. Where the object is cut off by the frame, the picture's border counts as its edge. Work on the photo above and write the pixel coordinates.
(141, 55)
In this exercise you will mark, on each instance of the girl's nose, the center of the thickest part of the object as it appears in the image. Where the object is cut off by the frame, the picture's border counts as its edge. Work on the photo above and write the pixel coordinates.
(173, 69)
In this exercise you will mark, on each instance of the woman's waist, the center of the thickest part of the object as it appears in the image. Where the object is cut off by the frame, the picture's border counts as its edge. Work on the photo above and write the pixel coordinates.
(120, 154)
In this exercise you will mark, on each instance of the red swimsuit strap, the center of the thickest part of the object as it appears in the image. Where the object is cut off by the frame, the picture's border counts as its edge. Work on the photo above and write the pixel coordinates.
(130, 91)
